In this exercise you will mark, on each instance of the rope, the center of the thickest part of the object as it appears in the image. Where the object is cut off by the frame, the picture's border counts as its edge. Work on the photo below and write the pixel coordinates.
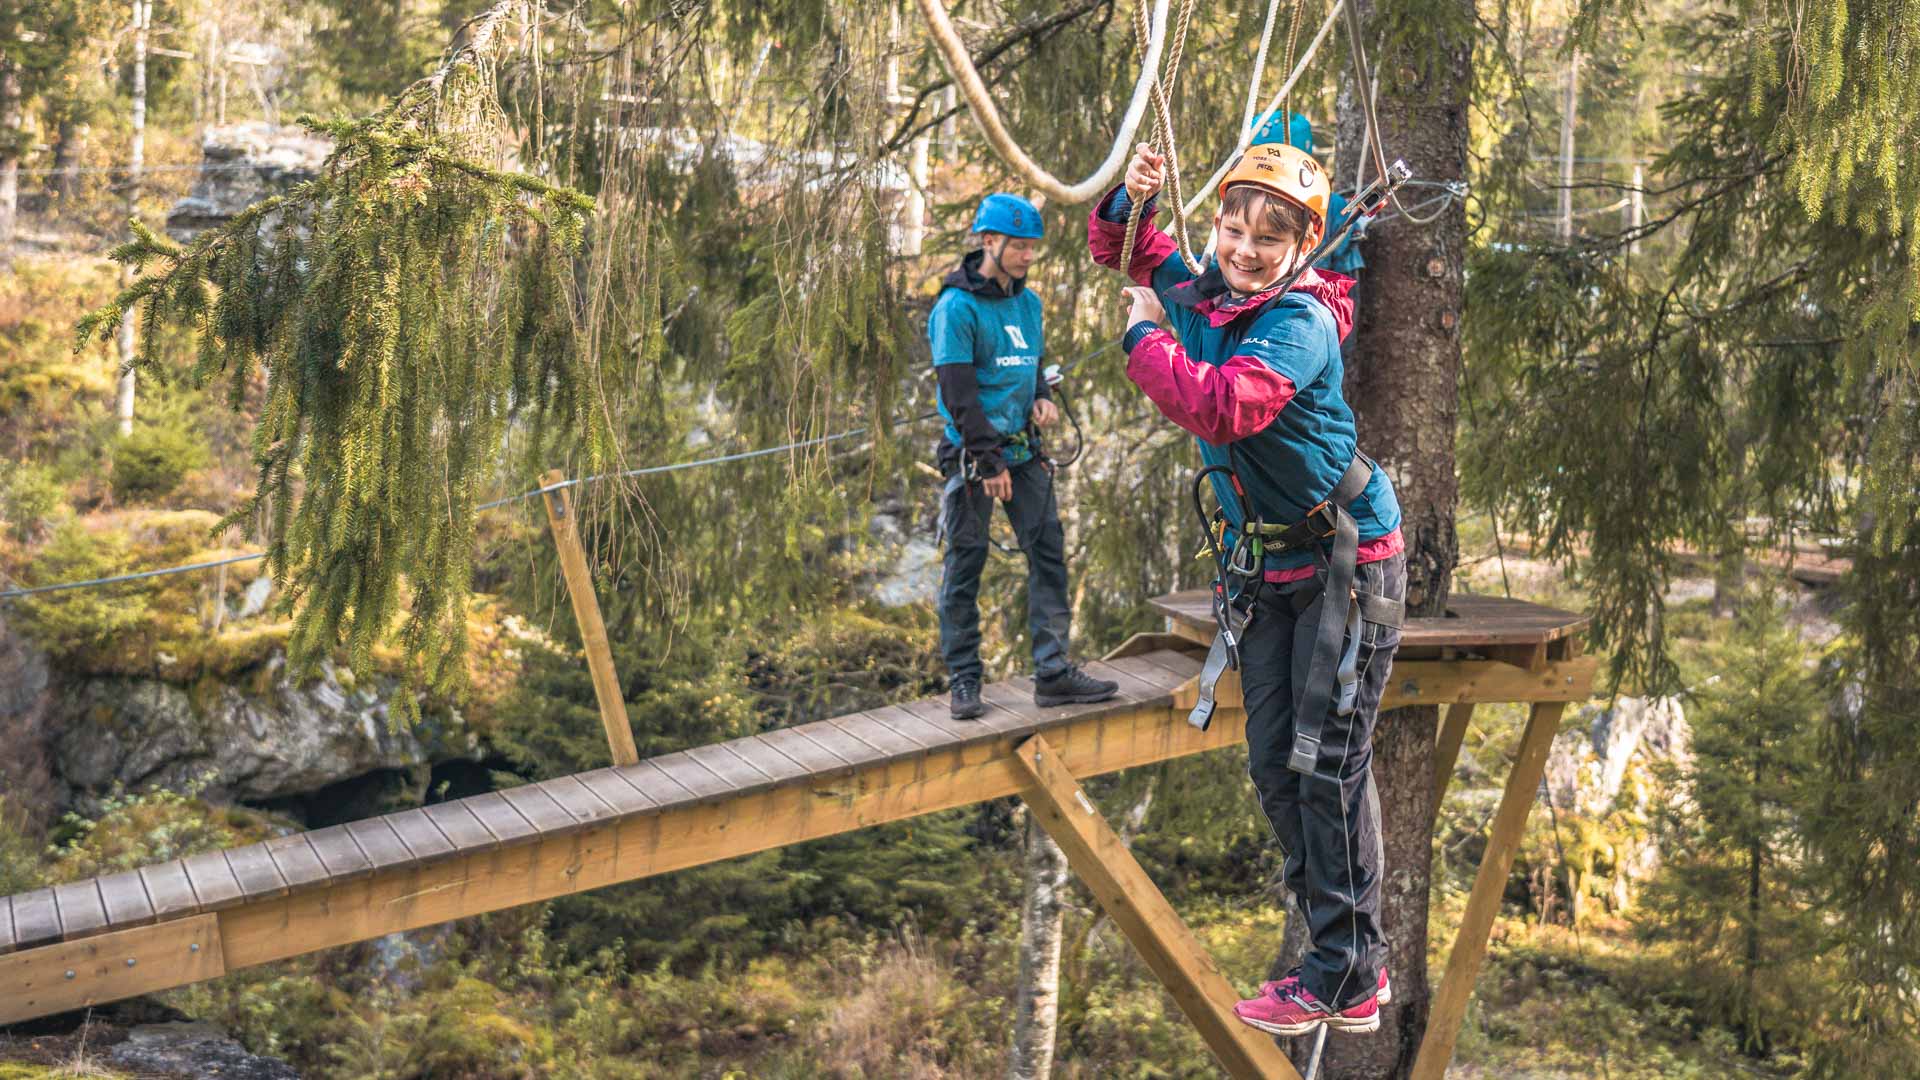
(651, 470)
(1260, 60)
(1293, 39)
(11, 593)
(1279, 97)
(980, 103)
(1371, 86)
(1163, 120)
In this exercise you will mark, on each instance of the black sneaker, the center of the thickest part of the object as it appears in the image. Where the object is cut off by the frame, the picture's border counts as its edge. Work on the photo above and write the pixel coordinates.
(1072, 687)
(965, 704)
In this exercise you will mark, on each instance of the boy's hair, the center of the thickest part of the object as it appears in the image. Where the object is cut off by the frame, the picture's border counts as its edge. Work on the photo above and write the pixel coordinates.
(1283, 216)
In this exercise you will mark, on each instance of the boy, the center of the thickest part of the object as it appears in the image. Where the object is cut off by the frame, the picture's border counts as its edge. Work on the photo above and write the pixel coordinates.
(986, 336)
(1254, 373)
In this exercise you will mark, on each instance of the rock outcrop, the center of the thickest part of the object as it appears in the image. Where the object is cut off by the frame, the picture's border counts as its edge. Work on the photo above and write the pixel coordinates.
(260, 739)
(240, 164)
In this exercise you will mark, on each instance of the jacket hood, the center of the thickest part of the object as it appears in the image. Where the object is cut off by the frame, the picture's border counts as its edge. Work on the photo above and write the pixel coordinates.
(967, 277)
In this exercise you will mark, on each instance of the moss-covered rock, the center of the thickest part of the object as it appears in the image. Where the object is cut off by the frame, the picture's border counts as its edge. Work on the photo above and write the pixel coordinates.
(263, 738)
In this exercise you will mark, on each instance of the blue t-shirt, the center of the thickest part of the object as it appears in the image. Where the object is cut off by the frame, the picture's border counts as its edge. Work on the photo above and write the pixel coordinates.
(1001, 337)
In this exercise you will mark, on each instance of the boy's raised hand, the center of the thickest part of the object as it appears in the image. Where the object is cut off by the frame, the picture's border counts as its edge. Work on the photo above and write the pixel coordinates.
(1143, 306)
(1145, 173)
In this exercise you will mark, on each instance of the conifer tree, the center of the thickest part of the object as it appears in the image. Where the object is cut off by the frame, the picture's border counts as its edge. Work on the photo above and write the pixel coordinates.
(403, 308)
(1760, 370)
(1733, 893)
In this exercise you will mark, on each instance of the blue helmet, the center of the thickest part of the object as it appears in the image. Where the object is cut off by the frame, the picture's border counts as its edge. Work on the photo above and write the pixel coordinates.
(1282, 127)
(1010, 215)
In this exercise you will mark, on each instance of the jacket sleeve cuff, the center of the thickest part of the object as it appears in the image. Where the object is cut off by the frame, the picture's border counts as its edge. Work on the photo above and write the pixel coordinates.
(1116, 208)
(1137, 333)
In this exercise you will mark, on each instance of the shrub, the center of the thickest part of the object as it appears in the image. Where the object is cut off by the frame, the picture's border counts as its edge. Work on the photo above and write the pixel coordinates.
(149, 463)
(132, 831)
(29, 497)
(74, 621)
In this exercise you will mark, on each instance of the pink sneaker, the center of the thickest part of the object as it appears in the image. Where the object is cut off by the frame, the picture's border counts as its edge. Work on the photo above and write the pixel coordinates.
(1290, 1009)
(1384, 994)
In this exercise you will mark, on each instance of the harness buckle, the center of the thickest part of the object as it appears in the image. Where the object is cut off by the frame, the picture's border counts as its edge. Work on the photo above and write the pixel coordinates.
(1328, 516)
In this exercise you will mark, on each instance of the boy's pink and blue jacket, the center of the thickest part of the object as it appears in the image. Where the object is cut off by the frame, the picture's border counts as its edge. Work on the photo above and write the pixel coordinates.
(1261, 373)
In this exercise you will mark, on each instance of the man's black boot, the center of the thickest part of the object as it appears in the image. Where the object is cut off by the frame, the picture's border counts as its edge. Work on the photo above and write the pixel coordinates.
(1072, 687)
(966, 699)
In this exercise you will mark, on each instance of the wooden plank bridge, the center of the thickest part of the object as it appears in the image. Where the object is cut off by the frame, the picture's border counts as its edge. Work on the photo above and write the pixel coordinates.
(192, 919)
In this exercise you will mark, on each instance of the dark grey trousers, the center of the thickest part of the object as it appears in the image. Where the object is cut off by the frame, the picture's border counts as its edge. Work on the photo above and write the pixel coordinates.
(964, 511)
(1327, 824)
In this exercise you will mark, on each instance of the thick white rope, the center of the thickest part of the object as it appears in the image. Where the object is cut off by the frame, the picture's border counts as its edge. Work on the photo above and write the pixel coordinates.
(1246, 135)
(1260, 62)
(980, 104)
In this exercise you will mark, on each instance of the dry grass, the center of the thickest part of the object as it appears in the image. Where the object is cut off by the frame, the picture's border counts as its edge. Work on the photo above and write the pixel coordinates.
(887, 1022)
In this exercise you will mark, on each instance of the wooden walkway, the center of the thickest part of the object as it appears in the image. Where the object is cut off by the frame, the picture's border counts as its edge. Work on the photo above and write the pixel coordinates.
(184, 921)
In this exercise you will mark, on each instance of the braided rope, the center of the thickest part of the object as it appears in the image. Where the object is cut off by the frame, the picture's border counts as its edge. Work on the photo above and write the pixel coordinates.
(1246, 135)
(1293, 40)
(1163, 123)
(1260, 62)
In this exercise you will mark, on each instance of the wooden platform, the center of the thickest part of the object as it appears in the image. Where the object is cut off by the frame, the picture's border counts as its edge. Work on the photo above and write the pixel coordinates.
(1472, 624)
(187, 920)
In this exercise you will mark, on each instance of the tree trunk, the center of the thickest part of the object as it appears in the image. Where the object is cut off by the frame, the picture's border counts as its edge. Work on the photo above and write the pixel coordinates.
(10, 120)
(1037, 1002)
(70, 143)
(142, 18)
(1403, 382)
(1750, 976)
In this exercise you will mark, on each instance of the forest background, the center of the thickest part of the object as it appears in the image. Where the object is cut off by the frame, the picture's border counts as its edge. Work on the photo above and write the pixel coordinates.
(1692, 371)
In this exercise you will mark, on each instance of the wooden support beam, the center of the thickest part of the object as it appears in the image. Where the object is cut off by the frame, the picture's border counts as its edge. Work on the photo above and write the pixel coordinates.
(586, 612)
(76, 974)
(1470, 944)
(1447, 751)
(1137, 907)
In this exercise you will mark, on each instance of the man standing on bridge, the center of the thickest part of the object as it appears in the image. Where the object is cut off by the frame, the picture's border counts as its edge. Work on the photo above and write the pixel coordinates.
(987, 344)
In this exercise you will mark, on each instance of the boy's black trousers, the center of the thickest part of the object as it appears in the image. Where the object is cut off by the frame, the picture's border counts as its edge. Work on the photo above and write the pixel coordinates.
(1328, 824)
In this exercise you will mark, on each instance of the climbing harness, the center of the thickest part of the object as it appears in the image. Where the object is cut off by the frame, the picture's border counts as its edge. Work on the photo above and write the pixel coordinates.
(1055, 380)
(1030, 437)
(1336, 607)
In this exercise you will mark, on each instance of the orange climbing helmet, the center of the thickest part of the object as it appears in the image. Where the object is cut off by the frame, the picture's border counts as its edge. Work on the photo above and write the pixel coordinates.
(1289, 172)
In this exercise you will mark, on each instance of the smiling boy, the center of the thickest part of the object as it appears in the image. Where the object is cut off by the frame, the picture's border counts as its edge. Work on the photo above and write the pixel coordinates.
(1253, 370)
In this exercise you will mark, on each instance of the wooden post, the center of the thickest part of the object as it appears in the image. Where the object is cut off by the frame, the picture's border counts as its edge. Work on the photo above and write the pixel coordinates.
(1447, 752)
(1470, 944)
(1135, 905)
(586, 612)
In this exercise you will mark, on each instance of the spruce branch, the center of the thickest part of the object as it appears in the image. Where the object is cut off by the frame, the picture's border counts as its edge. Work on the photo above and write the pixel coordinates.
(393, 305)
